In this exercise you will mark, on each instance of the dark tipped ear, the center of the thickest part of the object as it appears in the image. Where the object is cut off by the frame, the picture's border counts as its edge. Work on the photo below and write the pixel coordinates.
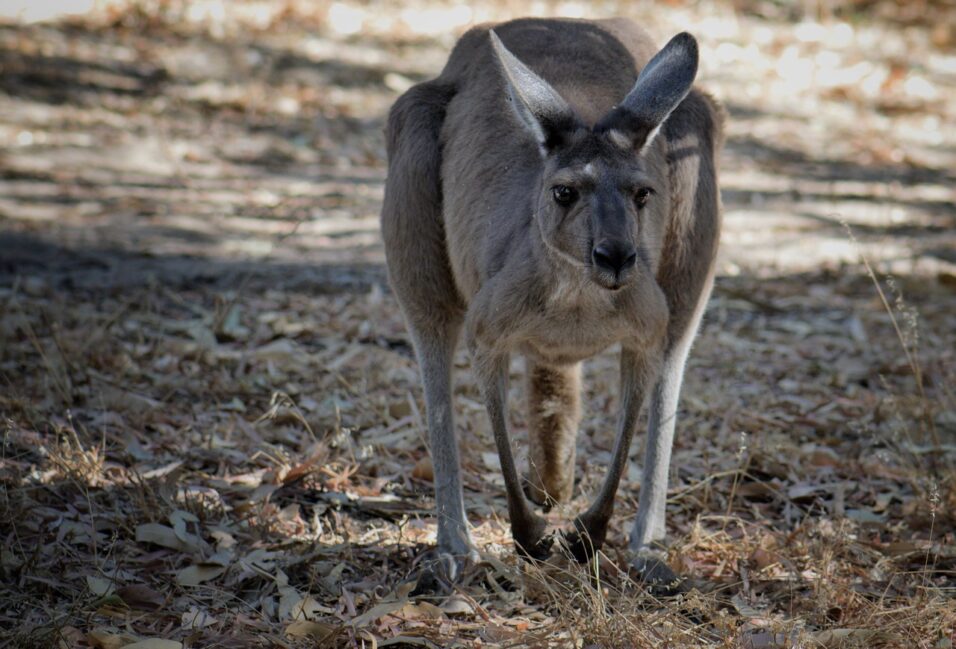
(539, 107)
(661, 86)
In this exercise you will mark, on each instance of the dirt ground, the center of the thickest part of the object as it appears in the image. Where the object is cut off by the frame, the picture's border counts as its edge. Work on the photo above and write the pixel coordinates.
(212, 425)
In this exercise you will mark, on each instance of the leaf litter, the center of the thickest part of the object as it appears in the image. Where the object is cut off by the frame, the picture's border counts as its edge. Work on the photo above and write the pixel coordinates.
(213, 433)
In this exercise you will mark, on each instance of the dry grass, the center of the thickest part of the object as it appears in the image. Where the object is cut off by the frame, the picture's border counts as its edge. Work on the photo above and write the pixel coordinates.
(212, 426)
(181, 485)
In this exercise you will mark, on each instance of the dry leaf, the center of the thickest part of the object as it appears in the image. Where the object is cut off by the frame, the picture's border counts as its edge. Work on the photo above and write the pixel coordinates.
(307, 609)
(197, 574)
(384, 608)
(164, 536)
(839, 638)
(103, 639)
(403, 640)
(195, 618)
(419, 611)
(99, 586)
(457, 605)
(765, 640)
(289, 597)
(179, 518)
(281, 350)
(142, 597)
(155, 643)
(318, 631)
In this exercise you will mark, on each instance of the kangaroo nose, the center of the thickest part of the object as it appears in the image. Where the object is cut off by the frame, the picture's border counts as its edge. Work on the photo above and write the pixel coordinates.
(615, 256)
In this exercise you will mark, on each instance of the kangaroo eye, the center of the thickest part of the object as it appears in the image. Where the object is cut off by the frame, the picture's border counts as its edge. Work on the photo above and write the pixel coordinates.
(641, 196)
(564, 195)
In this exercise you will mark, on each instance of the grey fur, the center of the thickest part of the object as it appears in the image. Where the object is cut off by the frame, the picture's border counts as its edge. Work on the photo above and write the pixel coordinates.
(661, 86)
(540, 108)
(476, 241)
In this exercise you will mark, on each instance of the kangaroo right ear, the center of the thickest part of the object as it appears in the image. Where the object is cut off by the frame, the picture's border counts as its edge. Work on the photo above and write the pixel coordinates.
(660, 88)
(539, 107)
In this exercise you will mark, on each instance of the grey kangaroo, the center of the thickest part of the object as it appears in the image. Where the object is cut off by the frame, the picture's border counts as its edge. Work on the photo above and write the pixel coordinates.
(552, 193)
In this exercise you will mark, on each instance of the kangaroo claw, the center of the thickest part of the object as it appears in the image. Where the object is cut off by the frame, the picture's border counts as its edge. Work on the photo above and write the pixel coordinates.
(538, 550)
(585, 539)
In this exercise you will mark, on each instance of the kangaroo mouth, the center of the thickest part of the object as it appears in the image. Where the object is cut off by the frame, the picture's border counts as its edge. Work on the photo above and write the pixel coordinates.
(610, 281)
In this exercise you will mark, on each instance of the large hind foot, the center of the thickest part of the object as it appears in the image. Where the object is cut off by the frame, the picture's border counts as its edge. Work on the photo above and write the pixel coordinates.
(439, 571)
(649, 569)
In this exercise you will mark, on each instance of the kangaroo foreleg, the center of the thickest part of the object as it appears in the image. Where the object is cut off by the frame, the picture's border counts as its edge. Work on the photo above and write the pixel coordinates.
(638, 371)
(526, 528)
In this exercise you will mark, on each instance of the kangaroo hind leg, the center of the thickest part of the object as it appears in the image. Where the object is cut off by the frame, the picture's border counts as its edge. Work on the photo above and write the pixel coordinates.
(421, 277)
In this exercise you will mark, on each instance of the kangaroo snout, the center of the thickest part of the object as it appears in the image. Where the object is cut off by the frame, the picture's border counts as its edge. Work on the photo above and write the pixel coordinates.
(614, 256)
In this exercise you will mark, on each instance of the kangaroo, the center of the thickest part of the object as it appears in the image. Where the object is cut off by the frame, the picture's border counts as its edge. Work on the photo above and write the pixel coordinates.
(553, 192)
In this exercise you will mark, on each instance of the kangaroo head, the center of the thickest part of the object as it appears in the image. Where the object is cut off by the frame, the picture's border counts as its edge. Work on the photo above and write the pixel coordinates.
(597, 196)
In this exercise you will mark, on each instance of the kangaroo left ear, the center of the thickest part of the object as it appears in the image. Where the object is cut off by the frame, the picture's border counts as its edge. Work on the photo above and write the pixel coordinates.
(660, 88)
(538, 106)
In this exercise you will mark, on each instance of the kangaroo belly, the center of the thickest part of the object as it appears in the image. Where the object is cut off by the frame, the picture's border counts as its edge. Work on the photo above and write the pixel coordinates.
(570, 336)
(565, 354)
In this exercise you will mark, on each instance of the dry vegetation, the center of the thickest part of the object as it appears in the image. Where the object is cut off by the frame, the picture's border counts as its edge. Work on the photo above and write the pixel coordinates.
(211, 421)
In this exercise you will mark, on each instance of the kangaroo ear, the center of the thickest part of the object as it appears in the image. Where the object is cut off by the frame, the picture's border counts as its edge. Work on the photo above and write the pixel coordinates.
(660, 87)
(539, 107)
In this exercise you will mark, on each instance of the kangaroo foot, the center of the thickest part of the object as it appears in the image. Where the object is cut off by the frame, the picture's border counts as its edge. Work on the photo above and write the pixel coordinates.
(586, 538)
(531, 542)
(649, 569)
(441, 569)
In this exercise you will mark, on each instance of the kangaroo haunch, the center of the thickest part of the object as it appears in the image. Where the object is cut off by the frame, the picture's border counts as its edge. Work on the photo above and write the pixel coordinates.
(552, 193)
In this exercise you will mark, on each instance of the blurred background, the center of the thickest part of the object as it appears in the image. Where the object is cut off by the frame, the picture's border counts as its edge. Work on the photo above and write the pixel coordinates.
(250, 119)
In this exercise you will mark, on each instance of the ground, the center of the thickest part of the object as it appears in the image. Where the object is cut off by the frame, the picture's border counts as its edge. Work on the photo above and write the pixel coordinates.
(212, 424)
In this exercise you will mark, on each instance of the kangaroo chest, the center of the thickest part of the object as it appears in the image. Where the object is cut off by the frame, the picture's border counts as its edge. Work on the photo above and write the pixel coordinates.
(576, 323)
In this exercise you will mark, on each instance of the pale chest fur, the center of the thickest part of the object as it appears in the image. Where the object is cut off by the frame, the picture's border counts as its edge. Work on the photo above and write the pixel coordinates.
(577, 321)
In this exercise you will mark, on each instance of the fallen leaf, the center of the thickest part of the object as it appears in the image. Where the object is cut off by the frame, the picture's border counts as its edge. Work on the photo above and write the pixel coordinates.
(103, 639)
(289, 597)
(419, 611)
(159, 534)
(307, 608)
(154, 643)
(99, 586)
(196, 618)
(385, 608)
(457, 605)
(282, 351)
(838, 638)
(178, 519)
(196, 574)
(142, 597)
(318, 631)
(765, 640)
(408, 640)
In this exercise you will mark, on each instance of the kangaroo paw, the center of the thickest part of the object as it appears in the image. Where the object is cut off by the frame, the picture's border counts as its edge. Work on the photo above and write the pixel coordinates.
(531, 542)
(586, 538)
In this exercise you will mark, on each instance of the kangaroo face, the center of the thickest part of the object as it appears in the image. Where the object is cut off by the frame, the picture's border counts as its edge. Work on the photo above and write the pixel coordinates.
(598, 209)
(594, 201)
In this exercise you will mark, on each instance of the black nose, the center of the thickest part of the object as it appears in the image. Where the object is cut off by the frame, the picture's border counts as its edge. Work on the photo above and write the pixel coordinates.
(615, 256)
